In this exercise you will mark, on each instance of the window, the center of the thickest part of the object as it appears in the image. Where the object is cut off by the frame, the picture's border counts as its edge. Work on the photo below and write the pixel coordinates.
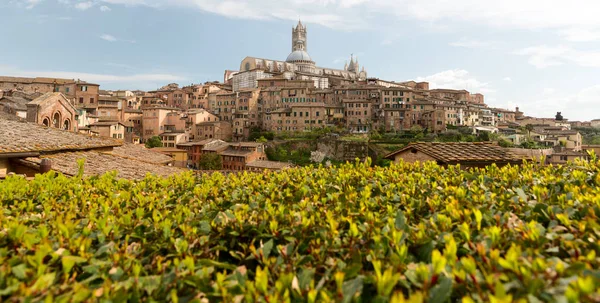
(317, 114)
(91, 100)
(56, 120)
(84, 88)
(56, 89)
(80, 100)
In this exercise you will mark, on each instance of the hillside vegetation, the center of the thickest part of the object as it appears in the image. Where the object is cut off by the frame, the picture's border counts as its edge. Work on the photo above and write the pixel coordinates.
(405, 233)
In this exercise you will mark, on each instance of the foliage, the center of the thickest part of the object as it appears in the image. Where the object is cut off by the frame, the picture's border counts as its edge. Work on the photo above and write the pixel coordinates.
(590, 135)
(505, 143)
(210, 161)
(262, 139)
(256, 133)
(344, 234)
(285, 153)
(154, 142)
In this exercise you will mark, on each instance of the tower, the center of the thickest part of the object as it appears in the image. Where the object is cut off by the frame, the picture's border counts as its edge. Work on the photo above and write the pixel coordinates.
(299, 37)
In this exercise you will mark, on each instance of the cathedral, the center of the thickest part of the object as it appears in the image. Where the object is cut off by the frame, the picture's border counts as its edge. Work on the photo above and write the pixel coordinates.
(297, 66)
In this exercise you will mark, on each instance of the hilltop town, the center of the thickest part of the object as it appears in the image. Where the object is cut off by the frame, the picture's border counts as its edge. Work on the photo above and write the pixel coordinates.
(266, 98)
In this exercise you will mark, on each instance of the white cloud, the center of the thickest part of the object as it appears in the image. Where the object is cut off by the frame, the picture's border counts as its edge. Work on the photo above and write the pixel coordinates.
(456, 79)
(582, 105)
(549, 91)
(545, 56)
(104, 78)
(108, 37)
(468, 43)
(580, 35)
(28, 4)
(352, 14)
(105, 8)
(84, 5)
(508, 79)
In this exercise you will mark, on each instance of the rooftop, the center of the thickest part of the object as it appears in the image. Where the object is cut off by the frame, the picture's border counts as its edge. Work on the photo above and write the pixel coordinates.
(140, 153)
(235, 152)
(193, 143)
(23, 137)
(460, 151)
(168, 150)
(97, 163)
(216, 145)
(269, 164)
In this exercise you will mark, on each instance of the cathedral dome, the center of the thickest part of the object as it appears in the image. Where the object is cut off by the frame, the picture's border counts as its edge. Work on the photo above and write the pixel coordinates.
(298, 55)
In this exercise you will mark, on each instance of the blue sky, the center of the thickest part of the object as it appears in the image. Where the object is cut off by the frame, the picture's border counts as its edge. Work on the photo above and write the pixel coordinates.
(541, 55)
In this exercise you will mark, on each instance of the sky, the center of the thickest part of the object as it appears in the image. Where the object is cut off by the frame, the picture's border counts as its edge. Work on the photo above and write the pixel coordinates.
(540, 55)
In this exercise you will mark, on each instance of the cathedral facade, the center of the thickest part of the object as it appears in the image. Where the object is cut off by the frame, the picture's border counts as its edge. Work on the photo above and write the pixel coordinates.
(297, 66)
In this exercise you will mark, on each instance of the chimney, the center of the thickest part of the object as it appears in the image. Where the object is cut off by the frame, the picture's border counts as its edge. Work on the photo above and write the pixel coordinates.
(45, 166)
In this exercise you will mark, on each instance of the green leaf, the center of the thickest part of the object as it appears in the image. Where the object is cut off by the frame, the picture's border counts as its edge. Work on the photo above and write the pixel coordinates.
(521, 194)
(69, 261)
(352, 288)
(423, 252)
(150, 283)
(400, 222)
(441, 291)
(44, 282)
(20, 271)
(267, 247)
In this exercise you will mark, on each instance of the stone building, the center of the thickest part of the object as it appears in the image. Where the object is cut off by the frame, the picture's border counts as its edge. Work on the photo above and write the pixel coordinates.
(80, 93)
(157, 120)
(53, 110)
(298, 65)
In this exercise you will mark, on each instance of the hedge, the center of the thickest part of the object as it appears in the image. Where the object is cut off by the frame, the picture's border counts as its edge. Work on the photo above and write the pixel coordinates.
(353, 233)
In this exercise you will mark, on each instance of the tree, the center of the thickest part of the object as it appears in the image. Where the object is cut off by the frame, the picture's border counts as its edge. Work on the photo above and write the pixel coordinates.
(529, 128)
(262, 139)
(211, 161)
(154, 142)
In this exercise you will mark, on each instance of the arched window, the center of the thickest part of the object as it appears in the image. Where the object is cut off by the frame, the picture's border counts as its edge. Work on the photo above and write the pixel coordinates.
(56, 120)
(66, 125)
(247, 67)
(46, 122)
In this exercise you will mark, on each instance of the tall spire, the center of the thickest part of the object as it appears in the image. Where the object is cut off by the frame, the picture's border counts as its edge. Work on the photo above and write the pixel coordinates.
(351, 66)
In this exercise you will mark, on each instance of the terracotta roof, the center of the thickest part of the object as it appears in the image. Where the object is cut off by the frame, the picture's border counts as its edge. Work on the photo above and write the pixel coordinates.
(269, 164)
(452, 152)
(107, 123)
(140, 153)
(247, 144)
(19, 137)
(12, 99)
(570, 153)
(216, 145)
(235, 152)
(168, 150)
(97, 163)
(15, 106)
(193, 143)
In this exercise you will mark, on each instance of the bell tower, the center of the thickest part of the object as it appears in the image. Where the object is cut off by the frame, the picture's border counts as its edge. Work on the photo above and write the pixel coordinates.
(299, 37)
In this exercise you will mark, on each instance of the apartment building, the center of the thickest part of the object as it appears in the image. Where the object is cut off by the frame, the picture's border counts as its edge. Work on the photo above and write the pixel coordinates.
(157, 120)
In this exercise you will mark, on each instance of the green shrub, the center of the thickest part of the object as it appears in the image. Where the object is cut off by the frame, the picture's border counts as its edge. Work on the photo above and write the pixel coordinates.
(154, 142)
(346, 233)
